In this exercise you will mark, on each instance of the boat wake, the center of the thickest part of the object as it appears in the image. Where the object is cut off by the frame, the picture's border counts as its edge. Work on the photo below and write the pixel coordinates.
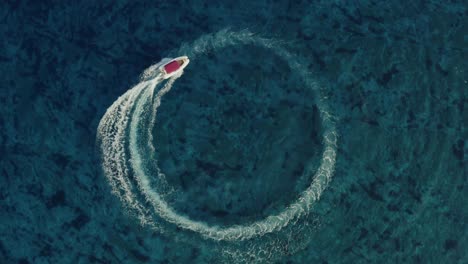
(126, 145)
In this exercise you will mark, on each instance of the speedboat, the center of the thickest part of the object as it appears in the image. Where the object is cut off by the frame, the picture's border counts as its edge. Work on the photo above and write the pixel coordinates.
(174, 66)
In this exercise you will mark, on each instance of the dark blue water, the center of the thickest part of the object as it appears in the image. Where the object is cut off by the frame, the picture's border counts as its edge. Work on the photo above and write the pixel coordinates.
(239, 130)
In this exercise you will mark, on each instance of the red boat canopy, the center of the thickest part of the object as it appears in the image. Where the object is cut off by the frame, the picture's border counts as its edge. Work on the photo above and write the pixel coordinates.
(171, 67)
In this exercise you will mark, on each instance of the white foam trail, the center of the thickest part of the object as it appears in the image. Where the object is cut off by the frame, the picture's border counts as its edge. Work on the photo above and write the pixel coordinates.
(112, 138)
(141, 103)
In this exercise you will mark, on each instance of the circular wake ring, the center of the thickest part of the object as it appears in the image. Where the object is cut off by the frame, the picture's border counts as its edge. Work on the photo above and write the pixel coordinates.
(128, 110)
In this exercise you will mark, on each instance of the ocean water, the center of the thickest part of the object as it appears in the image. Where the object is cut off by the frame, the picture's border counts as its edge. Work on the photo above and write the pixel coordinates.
(300, 132)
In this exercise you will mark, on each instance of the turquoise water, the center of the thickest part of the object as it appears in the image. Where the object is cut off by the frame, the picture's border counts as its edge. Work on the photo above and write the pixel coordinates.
(313, 132)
